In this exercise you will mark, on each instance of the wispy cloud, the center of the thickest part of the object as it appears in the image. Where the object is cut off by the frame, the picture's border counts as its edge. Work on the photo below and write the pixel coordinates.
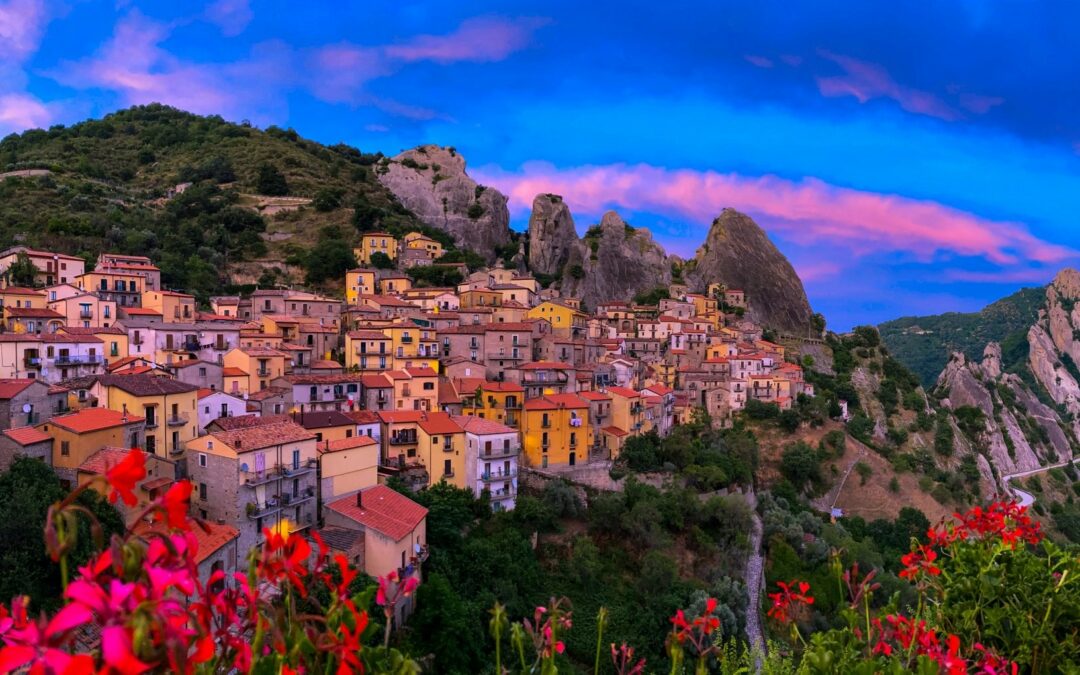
(133, 64)
(231, 16)
(807, 212)
(759, 61)
(22, 111)
(22, 23)
(866, 81)
(478, 39)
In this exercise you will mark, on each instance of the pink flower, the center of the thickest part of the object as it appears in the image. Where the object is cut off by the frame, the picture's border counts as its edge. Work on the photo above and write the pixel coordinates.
(123, 477)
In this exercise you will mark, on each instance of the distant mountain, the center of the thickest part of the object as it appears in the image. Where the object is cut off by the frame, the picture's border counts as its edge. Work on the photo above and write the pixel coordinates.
(924, 343)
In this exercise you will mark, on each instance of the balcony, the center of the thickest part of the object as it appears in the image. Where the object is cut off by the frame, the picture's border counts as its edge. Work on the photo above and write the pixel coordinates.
(498, 475)
(506, 357)
(177, 420)
(512, 404)
(255, 510)
(253, 478)
(86, 314)
(152, 422)
(77, 360)
(406, 340)
(499, 453)
(447, 448)
(502, 493)
(304, 495)
(32, 361)
(191, 346)
(291, 471)
(263, 372)
(402, 439)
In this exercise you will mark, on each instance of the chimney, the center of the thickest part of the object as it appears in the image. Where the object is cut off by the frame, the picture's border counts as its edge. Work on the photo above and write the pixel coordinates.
(360, 499)
(124, 416)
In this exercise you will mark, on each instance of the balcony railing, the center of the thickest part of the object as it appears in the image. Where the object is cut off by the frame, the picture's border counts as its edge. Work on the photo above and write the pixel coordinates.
(192, 345)
(77, 359)
(512, 404)
(257, 510)
(405, 439)
(503, 493)
(253, 478)
(447, 447)
(86, 314)
(499, 453)
(177, 420)
(262, 372)
(498, 475)
(506, 357)
(152, 422)
(303, 467)
(32, 361)
(405, 339)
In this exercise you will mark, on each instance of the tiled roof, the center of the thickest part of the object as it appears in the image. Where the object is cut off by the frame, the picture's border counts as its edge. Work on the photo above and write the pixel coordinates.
(69, 339)
(32, 313)
(377, 381)
(392, 416)
(363, 416)
(330, 378)
(141, 311)
(594, 396)
(103, 460)
(383, 510)
(98, 330)
(27, 435)
(439, 423)
(322, 419)
(10, 388)
(421, 372)
(94, 419)
(556, 401)
(624, 392)
(209, 540)
(233, 371)
(264, 436)
(261, 351)
(367, 335)
(547, 365)
(269, 392)
(615, 431)
(147, 385)
(323, 364)
(481, 426)
(21, 290)
(347, 444)
(247, 421)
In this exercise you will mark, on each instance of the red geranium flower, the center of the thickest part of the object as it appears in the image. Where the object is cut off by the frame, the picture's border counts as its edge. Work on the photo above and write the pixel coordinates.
(783, 600)
(175, 503)
(919, 560)
(123, 477)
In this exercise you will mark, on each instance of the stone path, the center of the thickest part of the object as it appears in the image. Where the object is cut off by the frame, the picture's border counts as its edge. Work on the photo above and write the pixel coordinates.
(755, 585)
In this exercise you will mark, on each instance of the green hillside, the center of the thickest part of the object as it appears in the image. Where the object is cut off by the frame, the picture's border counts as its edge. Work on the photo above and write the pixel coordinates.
(111, 181)
(923, 343)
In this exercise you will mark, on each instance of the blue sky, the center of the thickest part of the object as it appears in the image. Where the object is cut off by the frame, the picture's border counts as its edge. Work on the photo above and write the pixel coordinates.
(908, 158)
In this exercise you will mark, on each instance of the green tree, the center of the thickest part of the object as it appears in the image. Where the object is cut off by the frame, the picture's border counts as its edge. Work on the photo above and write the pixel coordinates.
(22, 272)
(27, 490)
(381, 261)
(270, 181)
(800, 465)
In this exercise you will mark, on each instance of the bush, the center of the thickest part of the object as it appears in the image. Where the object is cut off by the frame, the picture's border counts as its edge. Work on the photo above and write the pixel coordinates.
(270, 181)
(381, 261)
(759, 410)
(800, 465)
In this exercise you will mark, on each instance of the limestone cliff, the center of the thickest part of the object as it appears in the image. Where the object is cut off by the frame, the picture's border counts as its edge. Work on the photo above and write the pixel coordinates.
(552, 235)
(1054, 341)
(614, 262)
(738, 254)
(431, 182)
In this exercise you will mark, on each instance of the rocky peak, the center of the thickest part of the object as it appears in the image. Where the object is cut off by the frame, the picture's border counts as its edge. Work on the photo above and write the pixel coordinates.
(615, 263)
(552, 235)
(431, 182)
(738, 254)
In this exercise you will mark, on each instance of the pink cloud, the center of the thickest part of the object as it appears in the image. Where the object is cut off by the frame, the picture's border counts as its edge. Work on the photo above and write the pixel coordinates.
(479, 39)
(817, 270)
(866, 81)
(231, 16)
(759, 61)
(342, 69)
(806, 212)
(133, 64)
(978, 104)
(22, 23)
(1017, 275)
(21, 111)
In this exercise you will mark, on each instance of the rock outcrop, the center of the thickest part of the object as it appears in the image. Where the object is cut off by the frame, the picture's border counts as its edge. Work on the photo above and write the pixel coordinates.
(552, 235)
(1054, 341)
(431, 182)
(615, 263)
(738, 254)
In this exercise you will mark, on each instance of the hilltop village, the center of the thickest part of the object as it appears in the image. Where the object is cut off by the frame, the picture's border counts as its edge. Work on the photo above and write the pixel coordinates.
(290, 410)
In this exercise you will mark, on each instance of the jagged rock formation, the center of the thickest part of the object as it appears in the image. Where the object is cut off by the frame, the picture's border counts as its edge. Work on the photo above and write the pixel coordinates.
(739, 254)
(431, 182)
(1021, 432)
(552, 235)
(616, 263)
(1054, 341)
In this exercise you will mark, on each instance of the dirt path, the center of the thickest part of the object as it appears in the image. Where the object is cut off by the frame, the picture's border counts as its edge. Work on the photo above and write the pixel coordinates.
(755, 585)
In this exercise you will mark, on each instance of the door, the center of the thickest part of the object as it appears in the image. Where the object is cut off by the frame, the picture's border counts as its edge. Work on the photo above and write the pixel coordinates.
(573, 457)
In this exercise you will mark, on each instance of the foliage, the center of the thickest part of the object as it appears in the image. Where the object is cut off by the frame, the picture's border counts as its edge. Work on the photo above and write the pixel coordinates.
(381, 261)
(270, 181)
(433, 276)
(652, 297)
(22, 272)
(927, 351)
(800, 465)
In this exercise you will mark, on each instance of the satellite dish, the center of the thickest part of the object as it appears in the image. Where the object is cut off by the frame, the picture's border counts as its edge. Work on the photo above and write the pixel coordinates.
(27, 408)
(245, 396)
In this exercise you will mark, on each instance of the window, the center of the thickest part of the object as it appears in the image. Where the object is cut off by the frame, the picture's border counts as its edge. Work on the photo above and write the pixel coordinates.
(296, 458)
(202, 491)
(202, 459)
(65, 448)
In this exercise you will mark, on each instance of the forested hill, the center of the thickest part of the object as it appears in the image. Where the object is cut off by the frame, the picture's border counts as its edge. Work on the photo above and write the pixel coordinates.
(924, 343)
(107, 184)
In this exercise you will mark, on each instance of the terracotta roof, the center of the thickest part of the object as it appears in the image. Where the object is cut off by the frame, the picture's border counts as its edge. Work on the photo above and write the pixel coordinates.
(481, 426)
(421, 372)
(247, 421)
(556, 401)
(20, 290)
(623, 391)
(347, 444)
(594, 396)
(69, 339)
(367, 335)
(363, 416)
(391, 416)
(141, 311)
(377, 381)
(269, 392)
(79, 330)
(330, 378)
(439, 423)
(10, 388)
(233, 371)
(147, 385)
(264, 436)
(383, 510)
(615, 431)
(260, 351)
(322, 364)
(660, 389)
(27, 435)
(94, 419)
(32, 313)
(103, 460)
(209, 540)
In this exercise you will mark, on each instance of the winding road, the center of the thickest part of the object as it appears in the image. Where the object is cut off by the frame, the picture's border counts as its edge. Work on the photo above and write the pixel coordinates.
(1026, 498)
